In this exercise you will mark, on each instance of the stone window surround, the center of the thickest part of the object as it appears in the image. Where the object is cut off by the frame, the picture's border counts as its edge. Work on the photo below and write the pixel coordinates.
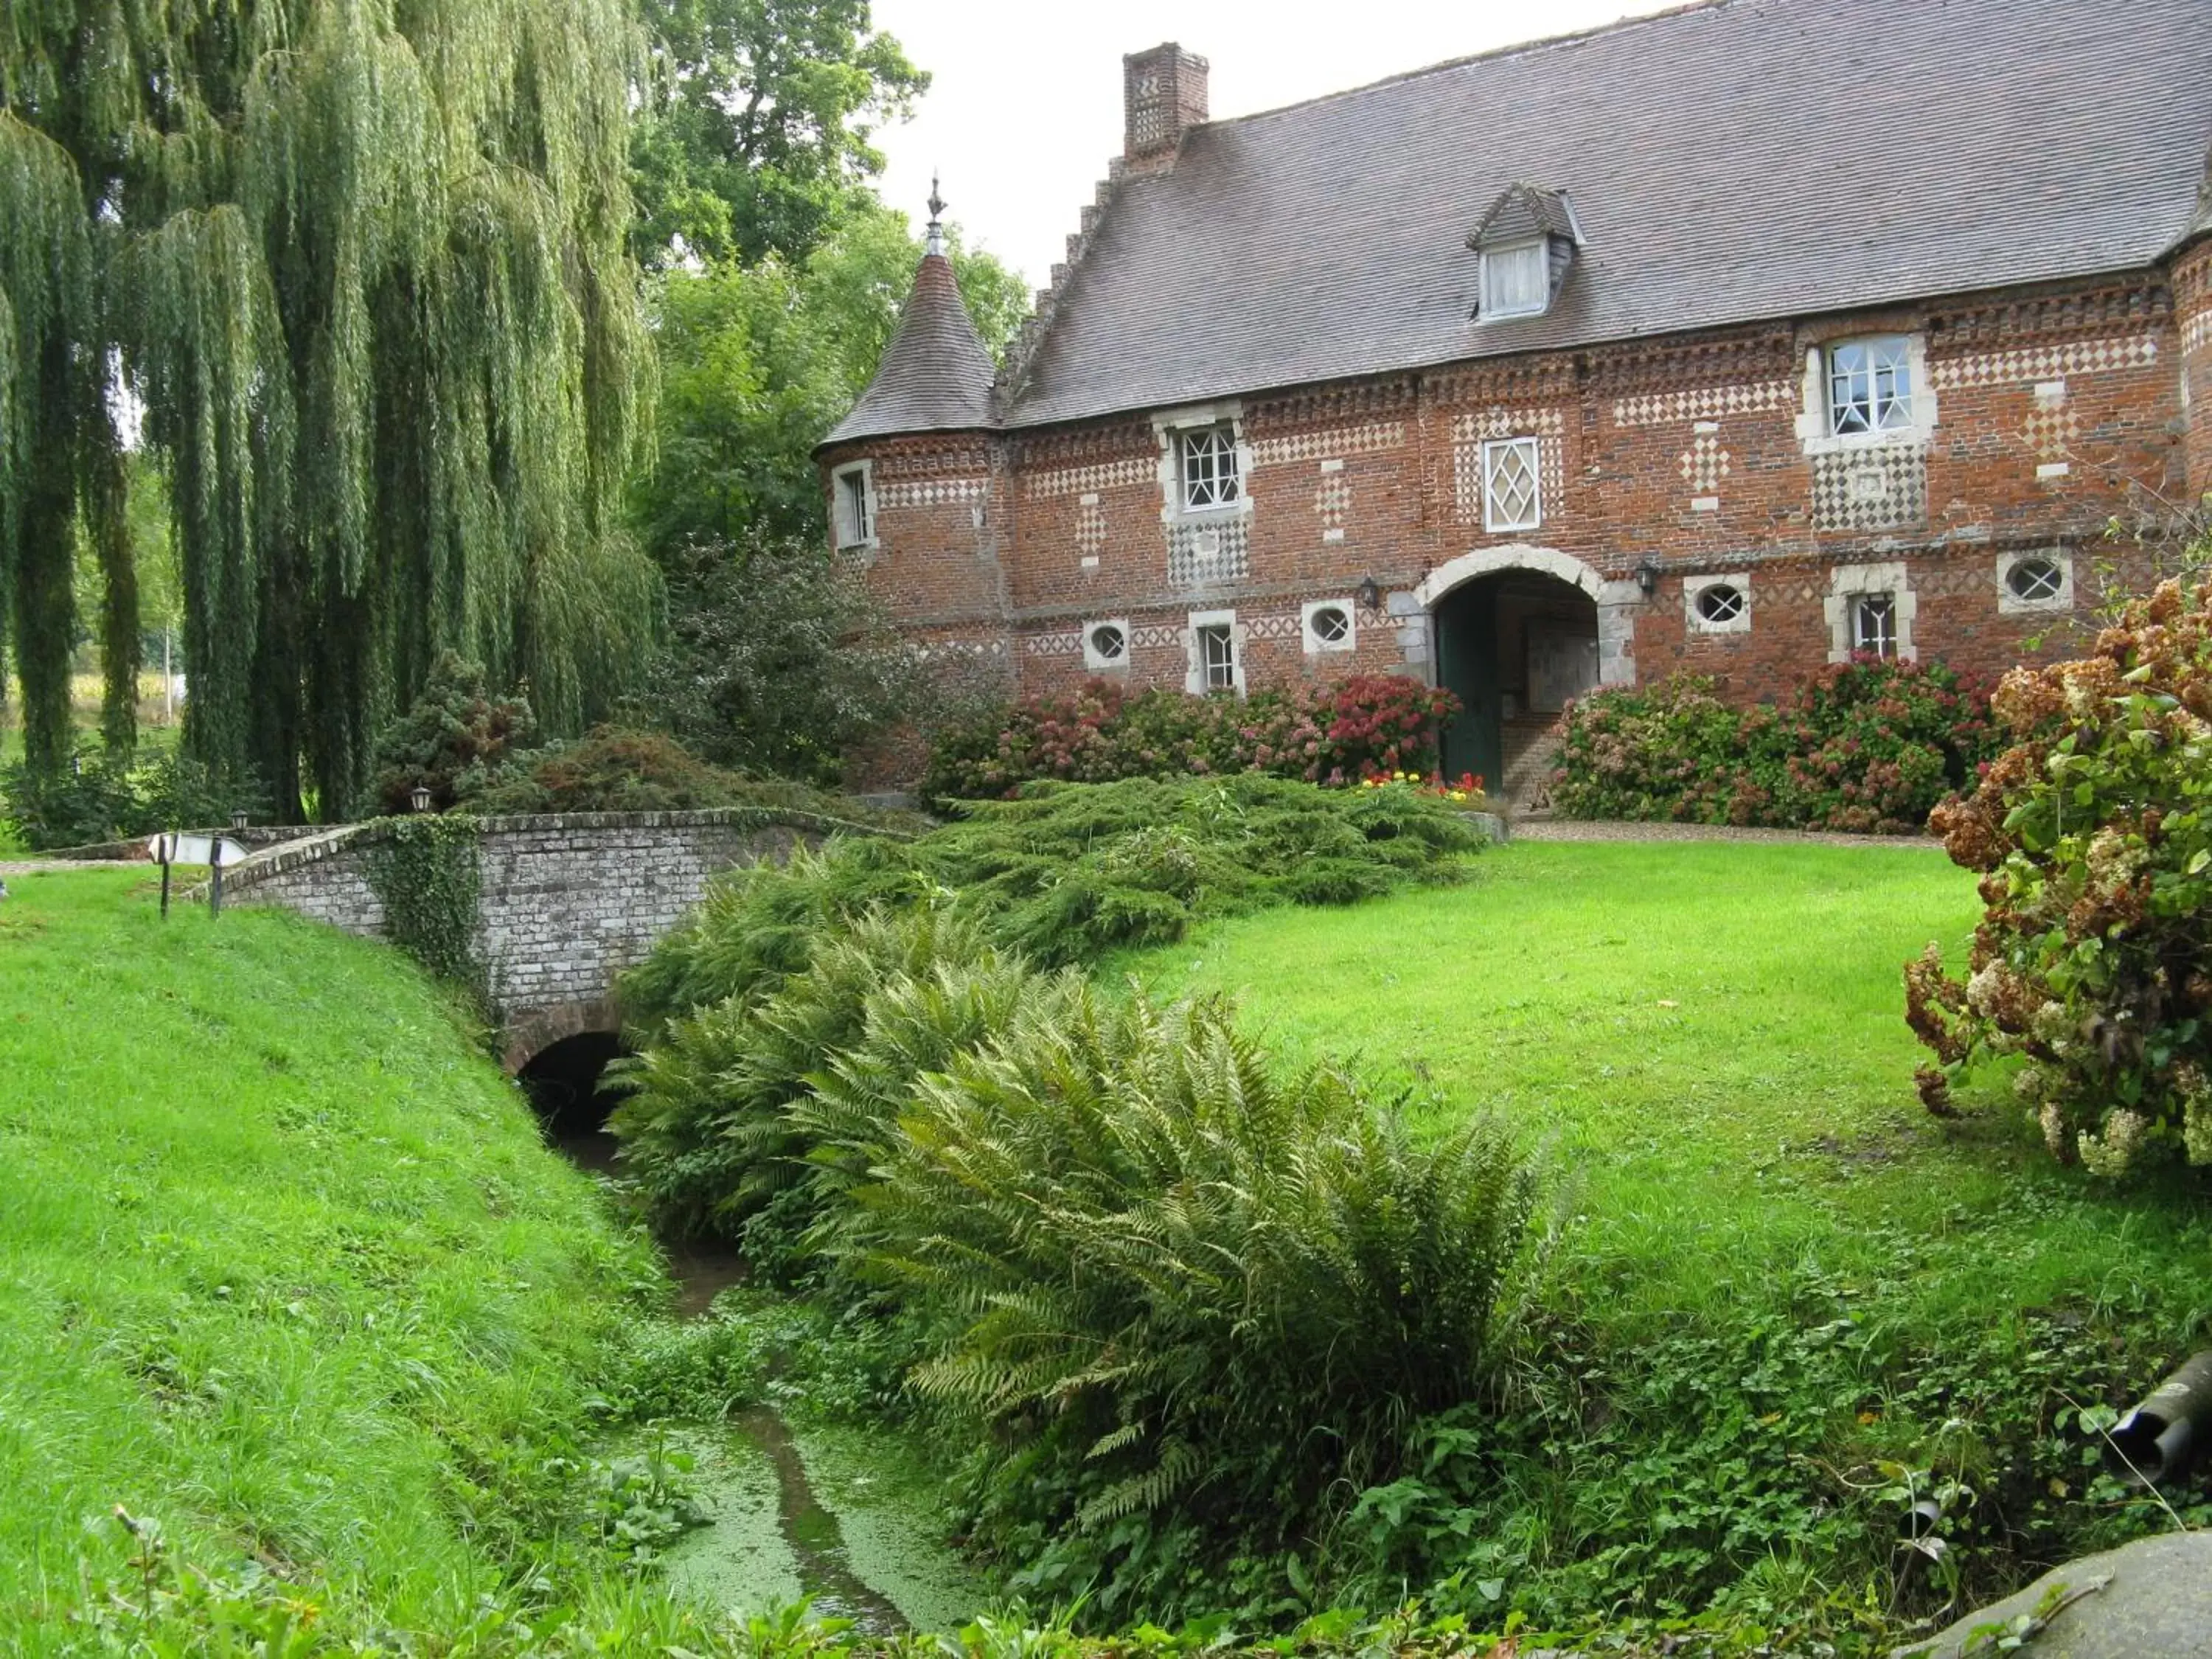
(1850, 582)
(2009, 604)
(1693, 586)
(1099, 664)
(1168, 427)
(840, 515)
(1814, 438)
(1194, 675)
(1316, 645)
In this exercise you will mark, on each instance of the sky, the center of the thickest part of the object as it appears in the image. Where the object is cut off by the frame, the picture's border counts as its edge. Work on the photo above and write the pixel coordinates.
(1025, 109)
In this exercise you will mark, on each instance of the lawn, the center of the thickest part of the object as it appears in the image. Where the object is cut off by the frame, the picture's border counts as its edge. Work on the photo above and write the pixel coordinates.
(282, 1262)
(1707, 1040)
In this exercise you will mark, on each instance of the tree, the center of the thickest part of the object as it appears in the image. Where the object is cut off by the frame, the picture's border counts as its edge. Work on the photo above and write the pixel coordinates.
(365, 265)
(758, 362)
(756, 138)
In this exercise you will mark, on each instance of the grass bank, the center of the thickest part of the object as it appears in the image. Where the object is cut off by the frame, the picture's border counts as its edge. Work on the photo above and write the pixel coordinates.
(1780, 1274)
(283, 1264)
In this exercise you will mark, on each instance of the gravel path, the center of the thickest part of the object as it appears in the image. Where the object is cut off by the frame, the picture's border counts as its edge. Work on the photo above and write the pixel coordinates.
(1580, 829)
(45, 866)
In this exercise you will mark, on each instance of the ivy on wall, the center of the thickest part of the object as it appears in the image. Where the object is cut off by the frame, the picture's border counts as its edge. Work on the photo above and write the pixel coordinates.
(425, 869)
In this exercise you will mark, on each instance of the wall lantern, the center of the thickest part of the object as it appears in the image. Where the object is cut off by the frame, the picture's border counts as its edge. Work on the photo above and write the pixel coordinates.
(421, 798)
(1647, 578)
(1370, 596)
(240, 818)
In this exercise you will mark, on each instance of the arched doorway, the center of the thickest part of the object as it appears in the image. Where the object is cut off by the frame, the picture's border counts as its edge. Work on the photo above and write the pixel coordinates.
(1518, 636)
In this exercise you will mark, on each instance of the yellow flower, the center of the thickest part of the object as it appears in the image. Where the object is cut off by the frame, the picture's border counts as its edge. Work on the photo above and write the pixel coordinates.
(1399, 776)
(1459, 795)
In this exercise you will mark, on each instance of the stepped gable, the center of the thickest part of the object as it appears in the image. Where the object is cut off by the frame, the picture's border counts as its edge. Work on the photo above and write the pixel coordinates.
(935, 376)
(1733, 162)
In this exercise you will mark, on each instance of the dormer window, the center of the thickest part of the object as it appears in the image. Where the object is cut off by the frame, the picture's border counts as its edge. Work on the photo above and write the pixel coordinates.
(1526, 243)
(1517, 281)
(1207, 467)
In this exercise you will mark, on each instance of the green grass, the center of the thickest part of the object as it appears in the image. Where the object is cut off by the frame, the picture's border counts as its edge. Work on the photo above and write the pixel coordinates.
(282, 1262)
(1709, 1040)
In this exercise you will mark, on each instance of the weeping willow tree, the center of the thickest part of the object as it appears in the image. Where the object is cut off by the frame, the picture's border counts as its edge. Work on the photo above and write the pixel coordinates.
(356, 271)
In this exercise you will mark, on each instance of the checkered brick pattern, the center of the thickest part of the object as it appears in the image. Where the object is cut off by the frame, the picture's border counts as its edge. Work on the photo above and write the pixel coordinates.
(2043, 363)
(930, 492)
(1369, 440)
(1208, 554)
(1079, 480)
(1469, 432)
(1870, 488)
(1706, 404)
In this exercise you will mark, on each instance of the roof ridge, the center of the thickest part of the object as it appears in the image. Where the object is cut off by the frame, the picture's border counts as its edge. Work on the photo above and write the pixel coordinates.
(1512, 49)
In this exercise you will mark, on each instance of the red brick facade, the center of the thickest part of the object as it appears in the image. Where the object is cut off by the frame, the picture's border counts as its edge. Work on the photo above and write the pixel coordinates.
(2055, 411)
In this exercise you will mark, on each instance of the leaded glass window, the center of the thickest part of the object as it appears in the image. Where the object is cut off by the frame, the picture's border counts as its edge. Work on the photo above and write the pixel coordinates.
(1873, 624)
(1209, 469)
(1511, 497)
(1869, 386)
(1516, 281)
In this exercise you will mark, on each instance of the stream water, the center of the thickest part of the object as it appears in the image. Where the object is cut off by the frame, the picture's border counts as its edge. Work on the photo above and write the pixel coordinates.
(844, 1517)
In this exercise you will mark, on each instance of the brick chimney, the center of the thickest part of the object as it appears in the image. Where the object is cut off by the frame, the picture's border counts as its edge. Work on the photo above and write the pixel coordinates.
(1162, 96)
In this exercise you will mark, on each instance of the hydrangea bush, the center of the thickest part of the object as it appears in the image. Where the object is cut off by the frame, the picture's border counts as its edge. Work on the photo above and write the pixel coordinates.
(1368, 726)
(2093, 962)
(1867, 746)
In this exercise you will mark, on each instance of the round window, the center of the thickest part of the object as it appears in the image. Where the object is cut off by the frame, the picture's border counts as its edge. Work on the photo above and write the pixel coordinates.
(2034, 579)
(1108, 643)
(1331, 625)
(1719, 605)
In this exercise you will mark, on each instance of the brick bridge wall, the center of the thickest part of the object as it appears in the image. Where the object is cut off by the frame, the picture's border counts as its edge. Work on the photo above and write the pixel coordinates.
(566, 900)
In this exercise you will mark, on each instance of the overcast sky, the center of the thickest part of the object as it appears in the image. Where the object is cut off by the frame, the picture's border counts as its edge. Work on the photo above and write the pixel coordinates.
(1025, 107)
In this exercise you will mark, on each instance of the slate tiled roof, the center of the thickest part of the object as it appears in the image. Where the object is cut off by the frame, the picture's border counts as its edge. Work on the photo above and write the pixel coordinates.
(935, 376)
(1737, 161)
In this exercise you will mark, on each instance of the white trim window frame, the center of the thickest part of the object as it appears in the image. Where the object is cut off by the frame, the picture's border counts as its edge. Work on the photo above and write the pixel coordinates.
(1868, 386)
(2045, 594)
(1322, 635)
(1209, 469)
(853, 505)
(1097, 659)
(1512, 485)
(1870, 606)
(1215, 646)
(1517, 280)
(1723, 617)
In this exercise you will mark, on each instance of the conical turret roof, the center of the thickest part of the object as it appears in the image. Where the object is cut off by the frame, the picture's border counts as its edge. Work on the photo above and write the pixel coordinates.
(935, 376)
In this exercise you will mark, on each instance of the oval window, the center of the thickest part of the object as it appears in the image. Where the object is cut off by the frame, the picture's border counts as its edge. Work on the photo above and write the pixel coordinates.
(1108, 643)
(1330, 625)
(2036, 579)
(1720, 604)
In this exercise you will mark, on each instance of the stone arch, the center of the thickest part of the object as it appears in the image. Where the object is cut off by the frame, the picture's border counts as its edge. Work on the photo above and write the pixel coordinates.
(530, 1033)
(1616, 602)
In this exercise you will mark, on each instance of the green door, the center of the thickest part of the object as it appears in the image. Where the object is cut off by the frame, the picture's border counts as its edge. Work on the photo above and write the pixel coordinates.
(1466, 666)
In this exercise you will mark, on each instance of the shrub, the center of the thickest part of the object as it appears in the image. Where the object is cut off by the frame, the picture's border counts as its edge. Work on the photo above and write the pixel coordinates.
(1100, 733)
(1165, 1277)
(455, 740)
(2093, 838)
(1869, 745)
(99, 799)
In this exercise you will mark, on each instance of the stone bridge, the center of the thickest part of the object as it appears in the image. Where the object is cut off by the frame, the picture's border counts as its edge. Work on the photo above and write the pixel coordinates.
(565, 902)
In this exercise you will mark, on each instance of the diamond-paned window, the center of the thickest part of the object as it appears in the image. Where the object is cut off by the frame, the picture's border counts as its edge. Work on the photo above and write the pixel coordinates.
(2036, 581)
(1516, 282)
(1873, 624)
(1869, 386)
(1512, 498)
(1720, 604)
(1217, 656)
(1209, 469)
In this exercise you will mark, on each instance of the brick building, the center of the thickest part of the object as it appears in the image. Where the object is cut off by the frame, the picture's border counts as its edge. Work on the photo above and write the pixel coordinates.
(1734, 339)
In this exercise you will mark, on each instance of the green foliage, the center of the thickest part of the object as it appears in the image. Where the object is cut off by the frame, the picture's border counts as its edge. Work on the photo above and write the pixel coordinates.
(778, 662)
(1869, 746)
(453, 741)
(1368, 726)
(366, 267)
(757, 140)
(426, 873)
(2093, 834)
(101, 799)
